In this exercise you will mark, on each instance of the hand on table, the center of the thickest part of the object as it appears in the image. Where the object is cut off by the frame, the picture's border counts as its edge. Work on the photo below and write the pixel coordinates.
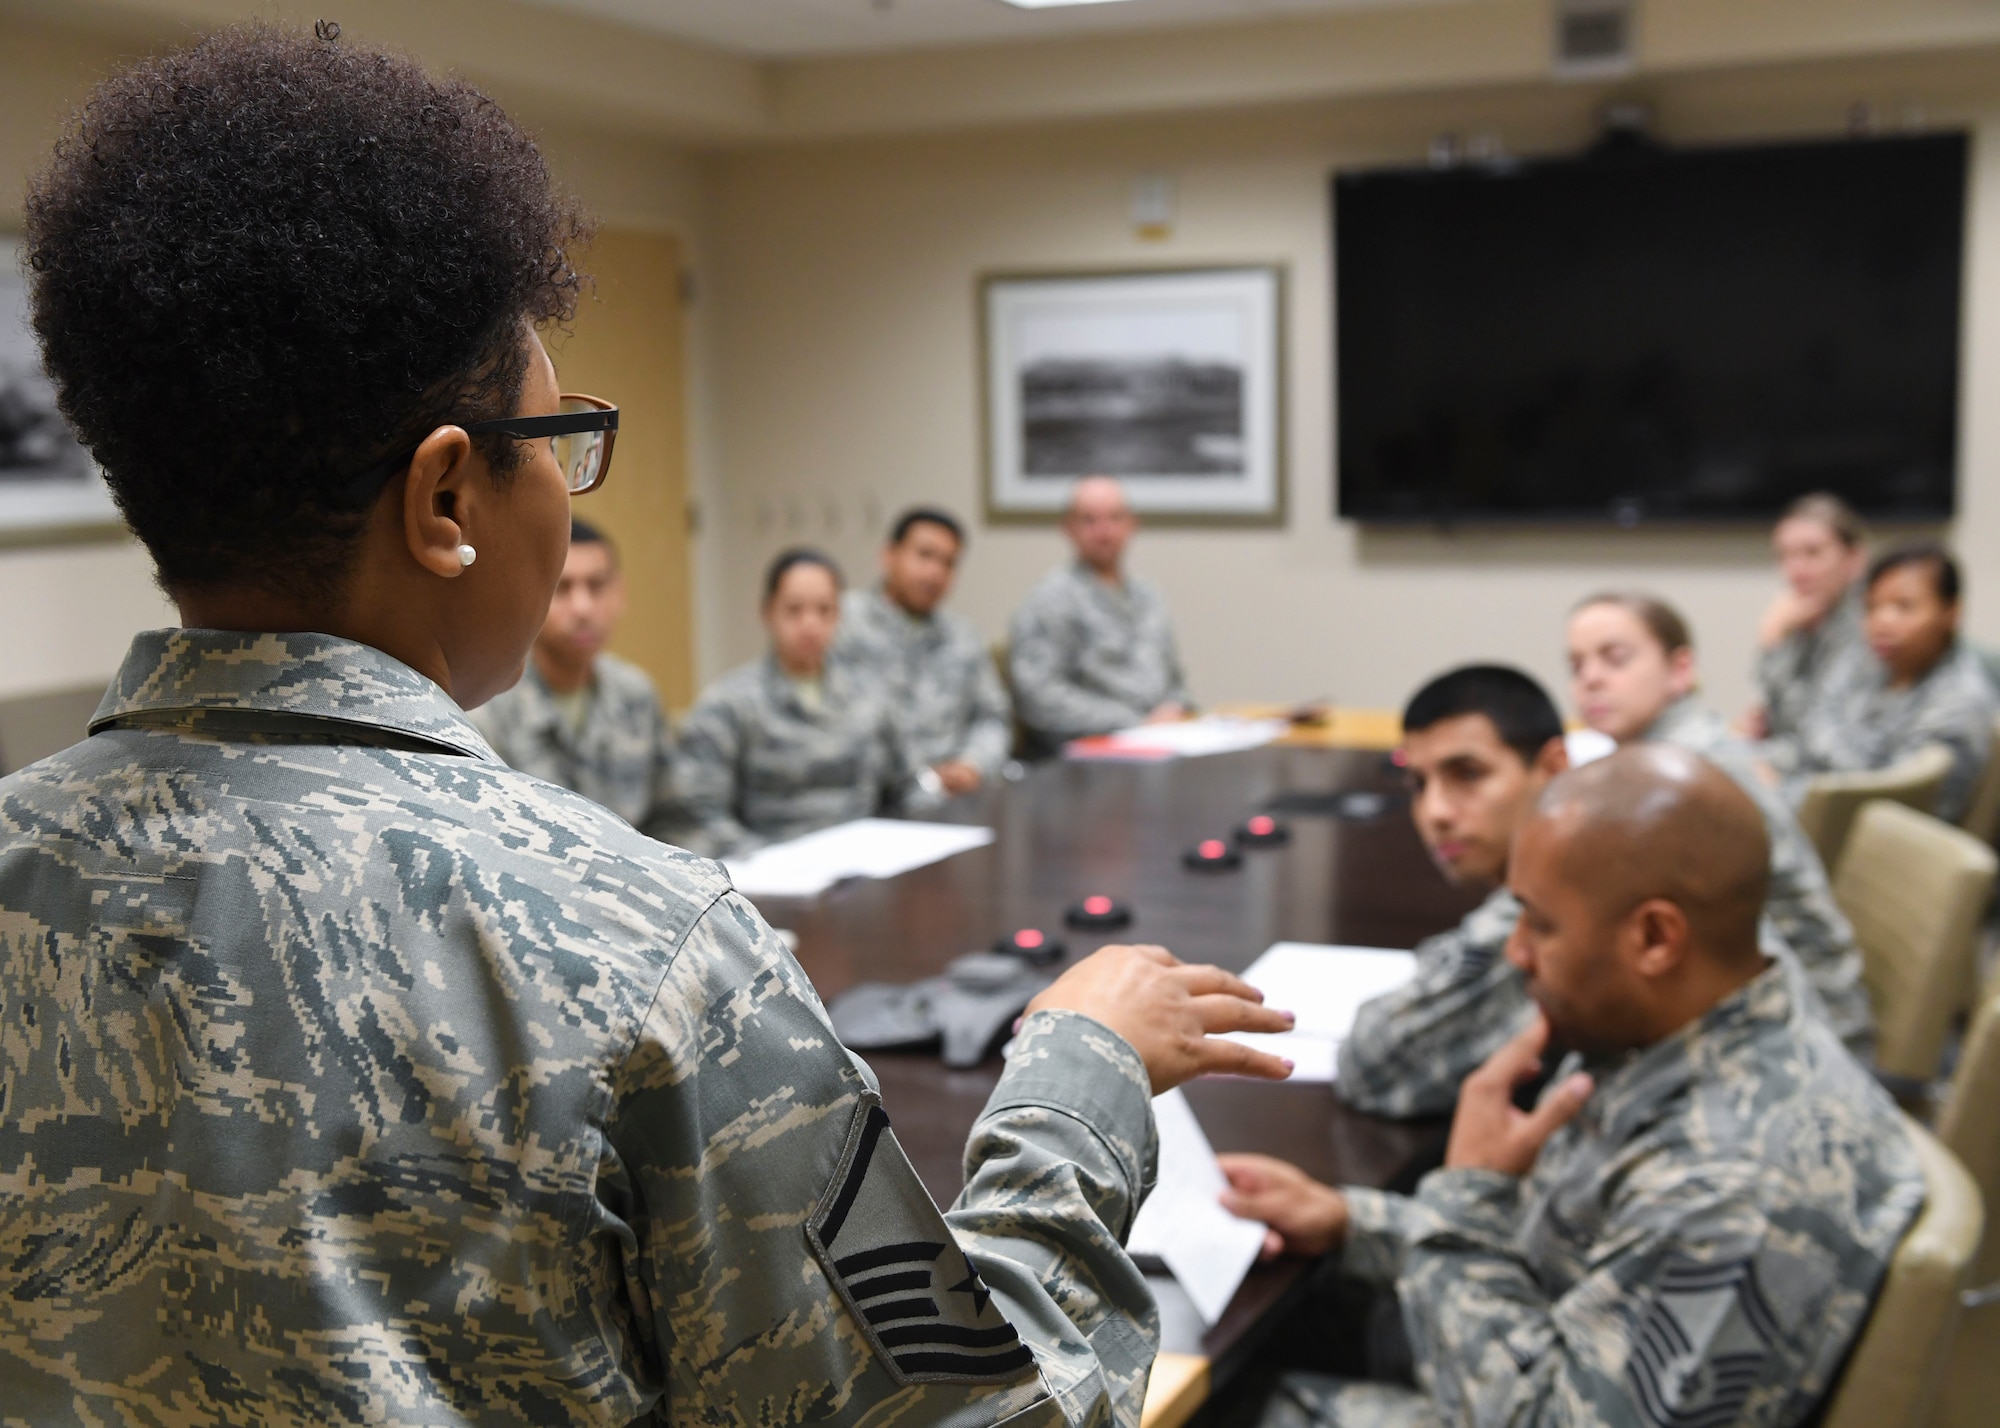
(1490, 1132)
(1168, 713)
(1300, 1215)
(1170, 1012)
(957, 776)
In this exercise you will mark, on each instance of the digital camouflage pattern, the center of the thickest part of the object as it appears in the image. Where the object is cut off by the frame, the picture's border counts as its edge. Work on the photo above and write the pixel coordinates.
(1799, 906)
(351, 1076)
(945, 696)
(1871, 726)
(1089, 659)
(1699, 1246)
(1810, 668)
(756, 765)
(621, 758)
(1411, 1048)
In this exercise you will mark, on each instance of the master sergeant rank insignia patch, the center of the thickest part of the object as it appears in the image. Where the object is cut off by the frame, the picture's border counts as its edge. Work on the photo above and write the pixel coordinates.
(885, 1247)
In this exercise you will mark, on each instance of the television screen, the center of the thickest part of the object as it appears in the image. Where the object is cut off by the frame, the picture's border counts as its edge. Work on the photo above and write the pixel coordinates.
(1648, 333)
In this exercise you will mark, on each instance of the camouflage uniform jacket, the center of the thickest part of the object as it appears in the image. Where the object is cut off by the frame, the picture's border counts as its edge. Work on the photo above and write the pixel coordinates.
(1799, 906)
(1409, 1049)
(622, 757)
(1088, 659)
(349, 1075)
(948, 702)
(756, 765)
(1809, 668)
(1872, 726)
(1700, 1245)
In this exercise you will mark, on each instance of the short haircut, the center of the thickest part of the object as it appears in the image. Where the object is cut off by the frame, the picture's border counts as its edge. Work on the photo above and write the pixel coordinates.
(582, 532)
(1662, 621)
(923, 516)
(1830, 511)
(266, 264)
(1944, 573)
(787, 561)
(1518, 708)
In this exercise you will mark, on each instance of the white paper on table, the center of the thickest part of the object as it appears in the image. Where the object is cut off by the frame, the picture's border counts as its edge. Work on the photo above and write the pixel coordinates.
(1324, 987)
(1183, 1223)
(1194, 738)
(865, 848)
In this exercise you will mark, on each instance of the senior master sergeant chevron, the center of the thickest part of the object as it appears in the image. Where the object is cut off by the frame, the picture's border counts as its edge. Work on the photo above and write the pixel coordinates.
(349, 1075)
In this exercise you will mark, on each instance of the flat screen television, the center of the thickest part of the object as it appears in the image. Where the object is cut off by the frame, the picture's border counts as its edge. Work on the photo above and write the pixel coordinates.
(1651, 334)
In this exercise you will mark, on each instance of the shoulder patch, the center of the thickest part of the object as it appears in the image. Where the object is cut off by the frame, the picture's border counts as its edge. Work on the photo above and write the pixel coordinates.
(1703, 1344)
(892, 1258)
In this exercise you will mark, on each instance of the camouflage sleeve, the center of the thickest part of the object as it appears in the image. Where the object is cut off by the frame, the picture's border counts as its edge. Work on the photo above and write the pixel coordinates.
(989, 734)
(1779, 687)
(705, 777)
(1177, 685)
(1380, 1226)
(778, 1259)
(666, 818)
(1055, 1171)
(1410, 1049)
(1050, 700)
(1696, 1303)
(1965, 728)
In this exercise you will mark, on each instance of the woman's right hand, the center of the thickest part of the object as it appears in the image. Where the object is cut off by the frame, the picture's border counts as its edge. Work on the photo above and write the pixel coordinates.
(1171, 1012)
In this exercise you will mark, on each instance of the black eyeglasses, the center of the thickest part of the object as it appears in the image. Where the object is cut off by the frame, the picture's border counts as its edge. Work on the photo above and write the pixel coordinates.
(581, 433)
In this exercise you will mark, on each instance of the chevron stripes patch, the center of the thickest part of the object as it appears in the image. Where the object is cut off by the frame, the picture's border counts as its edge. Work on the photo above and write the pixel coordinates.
(887, 1250)
(1703, 1346)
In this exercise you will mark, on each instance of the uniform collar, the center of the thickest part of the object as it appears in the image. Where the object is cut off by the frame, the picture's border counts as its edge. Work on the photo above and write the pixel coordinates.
(299, 676)
(1084, 574)
(888, 611)
(783, 688)
(1735, 1030)
(1676, 719)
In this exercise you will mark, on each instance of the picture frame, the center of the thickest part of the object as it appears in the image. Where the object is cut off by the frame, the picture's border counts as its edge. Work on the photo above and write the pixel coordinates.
(1170, 379)
(51, 491)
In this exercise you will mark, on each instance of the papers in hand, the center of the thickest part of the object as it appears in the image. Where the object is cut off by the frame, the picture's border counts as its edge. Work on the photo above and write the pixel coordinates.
(1205, 1247)
(1183, 739)
(1324, 987)
(865, 848)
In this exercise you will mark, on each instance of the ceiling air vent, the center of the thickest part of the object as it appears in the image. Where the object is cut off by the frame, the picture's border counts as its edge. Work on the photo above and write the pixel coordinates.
(1594, 38)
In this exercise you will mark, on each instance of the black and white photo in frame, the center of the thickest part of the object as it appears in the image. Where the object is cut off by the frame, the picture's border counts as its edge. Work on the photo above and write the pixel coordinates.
(1168, 380)
(49, 486)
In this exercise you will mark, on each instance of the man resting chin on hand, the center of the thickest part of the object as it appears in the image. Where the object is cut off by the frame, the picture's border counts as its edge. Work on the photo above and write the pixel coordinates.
(1691, 1223)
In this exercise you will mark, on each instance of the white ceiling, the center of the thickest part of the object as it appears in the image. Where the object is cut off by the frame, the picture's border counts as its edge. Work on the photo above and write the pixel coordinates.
(786, 29)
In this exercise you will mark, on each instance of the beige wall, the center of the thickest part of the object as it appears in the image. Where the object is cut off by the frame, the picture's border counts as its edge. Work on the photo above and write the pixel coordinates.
(73, 608)
(845, 372)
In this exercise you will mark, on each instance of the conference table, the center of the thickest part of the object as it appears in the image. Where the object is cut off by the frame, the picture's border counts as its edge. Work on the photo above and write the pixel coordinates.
(1353, 872)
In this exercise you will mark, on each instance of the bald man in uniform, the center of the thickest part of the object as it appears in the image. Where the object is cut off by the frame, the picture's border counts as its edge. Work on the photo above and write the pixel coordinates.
(1091, 649)
(1692, 1223)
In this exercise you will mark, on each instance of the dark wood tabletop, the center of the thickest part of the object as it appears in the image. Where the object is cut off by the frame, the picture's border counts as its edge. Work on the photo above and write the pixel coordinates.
(1070, 829)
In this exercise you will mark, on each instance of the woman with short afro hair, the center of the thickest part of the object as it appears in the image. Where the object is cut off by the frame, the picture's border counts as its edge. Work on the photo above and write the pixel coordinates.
(347, 1074)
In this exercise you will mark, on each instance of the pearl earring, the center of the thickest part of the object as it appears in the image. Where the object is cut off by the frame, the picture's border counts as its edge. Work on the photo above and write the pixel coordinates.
(466, 555)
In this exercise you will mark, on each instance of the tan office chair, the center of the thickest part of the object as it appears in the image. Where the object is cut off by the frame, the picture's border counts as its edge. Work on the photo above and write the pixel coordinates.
(1969, 1126)
(1003, 666)
(1832, 800)
(1915, 889)
(1982, 815)
(1893, 1377)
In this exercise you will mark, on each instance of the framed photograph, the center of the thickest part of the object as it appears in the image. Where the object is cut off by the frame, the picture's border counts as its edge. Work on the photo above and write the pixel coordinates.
(50, 489)
(1168, 379)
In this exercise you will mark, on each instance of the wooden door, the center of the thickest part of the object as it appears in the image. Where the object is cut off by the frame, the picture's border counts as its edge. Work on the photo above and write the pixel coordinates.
(626, 346)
